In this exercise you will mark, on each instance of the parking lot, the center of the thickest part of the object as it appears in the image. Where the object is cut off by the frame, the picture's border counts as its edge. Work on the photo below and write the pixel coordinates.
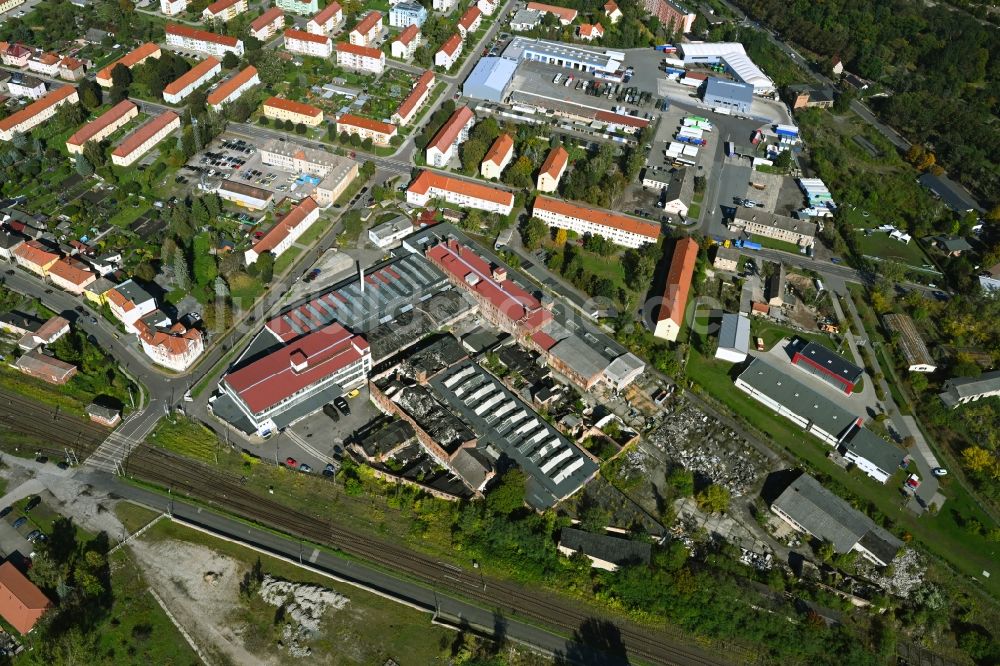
(316, 438)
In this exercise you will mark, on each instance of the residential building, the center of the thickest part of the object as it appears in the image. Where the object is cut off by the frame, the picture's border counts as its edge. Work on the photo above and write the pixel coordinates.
(672, 15)
(405, 14)
(810, 96)
(832, 368)
(953, 246)
(444, 6)
(186, 37)
(444, 146)
(47, 368)
(330, 358)
(336, 173)
(380, 133)
(367, 31)
(837, 65)
(267, 25)
(360, 58)
(306, 43)
(104, 126)
(588, 32)
(908, 340)
(173, 7)
(675, 188)
(129, 303)
(449, 52)
(46, 334)
(670, 317)
(470, 21)
(727, 259)
(129, 60)
(21, 85)
(9, 241)
(734, 338)
(15, 55)
(564, 14)
(175, 348)
(774, 290)
(206, 70)
(406, 43)
(962, 390)
(224, 10)
(286, 231)
(605, 552)
(390, 233)
(810, 508)
(430, 185)
(96, 292)
(36, 113)
(612, 11)
(487, 7)
(779, 227)
(787, 396)
(71, 275)
(552, 170)
(498, 157)
(490, 79)
(35, 257)
(730, 95)
(421, 91)
(71, 69)
(143, 139)
(19, 323)
(953, 195)
(304, 7)
(232, 88)
(106, 263)
(247, 196)
(22, 604)
(46, 64)
(278, 108)
(104, 416)
(525, 20)
(327, 20)
(625, 231)
(874, 456)
(732, 56)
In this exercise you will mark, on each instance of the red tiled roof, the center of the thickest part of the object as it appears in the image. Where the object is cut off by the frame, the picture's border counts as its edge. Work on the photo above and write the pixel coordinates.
(556, 161)
(191, 76)
(21, 602)
(281, 229)
(610, 6)
(294, 107)
(327, 13)
(409, 32)
(563, 13)
(220, 6)
(227, 87)
(70, 273)
(34, 253)
(365, 25)
(33, 109)
(449, 132)
(303, 36)
(365, 51)
(679, 281)
(85, 133)
(597, 216)
(71, 63)
(428, 179)
(591, 30)
(500, 149)
(621, 119)
(47, 331)
(451, 46)
(130, 59)
(366, 123)
(48, 58)
(477, 274)
(271, 379)
(177, 341)
(544, 340)
(757, 306)
(469, 17)
(266, 19)
(201, 35)
(143, 133)
(419, 90)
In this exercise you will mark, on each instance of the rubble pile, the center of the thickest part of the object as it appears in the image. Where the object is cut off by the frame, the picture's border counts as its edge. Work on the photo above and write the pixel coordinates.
(905, 575)
(692, 439)
(304, 606)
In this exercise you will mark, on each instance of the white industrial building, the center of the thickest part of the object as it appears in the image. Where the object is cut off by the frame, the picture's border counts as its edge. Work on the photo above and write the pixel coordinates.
(734, 338)
(734, 57)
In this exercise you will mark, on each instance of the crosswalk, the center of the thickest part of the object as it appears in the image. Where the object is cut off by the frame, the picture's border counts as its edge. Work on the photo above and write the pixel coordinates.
(110, 456)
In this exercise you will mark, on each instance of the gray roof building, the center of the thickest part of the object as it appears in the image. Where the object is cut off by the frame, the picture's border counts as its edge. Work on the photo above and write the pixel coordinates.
(607, 552)
(951, 193)
(873, 455)
(731, 95)
(489, 79)
(960, 390)
(734, 338)
(831, 367)
(811, 508)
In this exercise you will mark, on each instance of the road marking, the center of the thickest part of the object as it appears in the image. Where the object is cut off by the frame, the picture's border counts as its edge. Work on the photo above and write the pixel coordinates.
(314, 556)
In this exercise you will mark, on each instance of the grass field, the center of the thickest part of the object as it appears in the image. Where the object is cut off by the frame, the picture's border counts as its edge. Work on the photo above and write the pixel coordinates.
(776, 244)
(880, 245)
(186, 437)
(772, 333)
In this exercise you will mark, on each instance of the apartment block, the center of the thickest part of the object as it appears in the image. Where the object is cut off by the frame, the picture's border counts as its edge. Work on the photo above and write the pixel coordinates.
(625, 231)
(306, 43)
(380, 133)
(360, 58)
(327, 20)
(37, 112)
(278, 108)
(104, 126)
(143, 139)
(186, 37)
(232, 88)
(187, 83)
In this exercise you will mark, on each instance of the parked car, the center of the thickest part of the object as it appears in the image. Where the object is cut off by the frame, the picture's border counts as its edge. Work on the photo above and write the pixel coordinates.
(33, 535)
(342, 405)
(32, 503)
(305, 468)
(939, 471)
(329, 470)
(291, 462)
(20, 522)
(331, 411)
(5, 511)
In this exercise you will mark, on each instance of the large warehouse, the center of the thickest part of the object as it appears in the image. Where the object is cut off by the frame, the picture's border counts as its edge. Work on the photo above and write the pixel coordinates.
(563, 55)
(735, 59)
(489, 79)
(731, 95)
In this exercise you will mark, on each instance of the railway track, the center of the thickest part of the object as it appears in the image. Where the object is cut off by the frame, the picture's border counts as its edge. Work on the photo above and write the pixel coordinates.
(223, 490)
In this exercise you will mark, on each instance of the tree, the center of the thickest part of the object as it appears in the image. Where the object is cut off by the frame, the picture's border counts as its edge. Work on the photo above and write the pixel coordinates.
(507, 496)
(682, 481)
(784, 160)
(300, 129)
(825, 551)
(532, 233)
(519, 173)
(472, 152)
(560, 237)
(121, 76)
(713, 498)
(842, 101)
(230, 60)
(978, 459)
(83, 165)
(90, 94)
(182, 274)
(265, 267)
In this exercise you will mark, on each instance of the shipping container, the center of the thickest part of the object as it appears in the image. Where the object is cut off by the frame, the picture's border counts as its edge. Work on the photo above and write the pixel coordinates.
(691, 151)
(691, 131)
(730, 149)
(673, 62)
(786, 130)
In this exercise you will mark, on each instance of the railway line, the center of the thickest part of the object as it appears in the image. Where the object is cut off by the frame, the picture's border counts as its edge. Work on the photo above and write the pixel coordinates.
(185, 477)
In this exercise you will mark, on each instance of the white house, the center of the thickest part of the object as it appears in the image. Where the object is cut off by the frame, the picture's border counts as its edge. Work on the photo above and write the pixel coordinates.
(487, 7)
(367, 31)
(449, 52)
(453, 133)
(444, 6)
(128, 303)
(327, 20)
(360, 58)
(734, 338)
(306, 43)
(286, 231)
(430, 185)
(406, 43)
(176, 348)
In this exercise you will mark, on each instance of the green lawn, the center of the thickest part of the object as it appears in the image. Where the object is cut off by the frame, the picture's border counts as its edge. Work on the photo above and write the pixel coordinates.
(129, 213)
(776, 244)
(772, 333)
(287, 258)
(134, 516)
(880, 245)
(187, 437)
